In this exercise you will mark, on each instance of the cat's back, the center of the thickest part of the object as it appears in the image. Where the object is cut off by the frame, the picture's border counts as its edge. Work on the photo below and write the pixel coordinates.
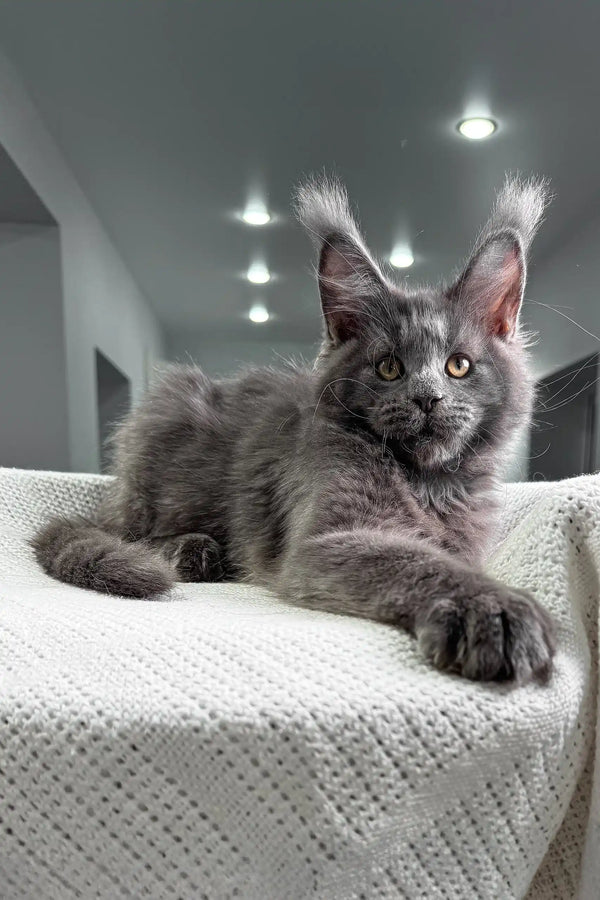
(174, 454)
(170, 431)
(259, 396)
(181, 403)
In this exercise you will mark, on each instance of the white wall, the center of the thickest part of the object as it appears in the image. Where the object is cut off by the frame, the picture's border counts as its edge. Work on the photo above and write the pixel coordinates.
(223, 357)
(33, 381)
(103, 306)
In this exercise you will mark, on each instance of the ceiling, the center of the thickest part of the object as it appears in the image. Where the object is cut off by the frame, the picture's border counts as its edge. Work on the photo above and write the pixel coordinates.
(171, 113)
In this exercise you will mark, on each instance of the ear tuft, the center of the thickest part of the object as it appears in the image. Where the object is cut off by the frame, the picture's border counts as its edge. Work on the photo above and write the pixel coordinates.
(491, 286)
(519, 208)
(321, 204)
(349, 277)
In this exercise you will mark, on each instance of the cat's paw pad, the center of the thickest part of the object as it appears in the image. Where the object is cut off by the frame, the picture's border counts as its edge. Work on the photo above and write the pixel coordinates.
(501, 636)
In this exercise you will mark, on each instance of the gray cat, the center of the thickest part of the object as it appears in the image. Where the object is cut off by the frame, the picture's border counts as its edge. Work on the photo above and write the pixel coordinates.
(366, 485)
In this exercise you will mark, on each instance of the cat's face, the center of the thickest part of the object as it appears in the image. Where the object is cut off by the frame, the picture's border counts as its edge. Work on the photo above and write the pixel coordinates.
(436, 374)
(427, 381)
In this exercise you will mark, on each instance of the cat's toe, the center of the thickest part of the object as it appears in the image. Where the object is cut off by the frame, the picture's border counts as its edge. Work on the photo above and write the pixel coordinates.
(464, 641)
(529, 637)
(503, 637)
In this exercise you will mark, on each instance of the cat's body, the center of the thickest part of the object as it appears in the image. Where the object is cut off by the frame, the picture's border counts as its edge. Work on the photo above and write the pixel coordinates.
(363, 485)
(256, 459)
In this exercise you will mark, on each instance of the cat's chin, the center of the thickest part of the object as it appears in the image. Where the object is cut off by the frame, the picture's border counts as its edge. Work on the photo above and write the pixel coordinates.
(431, 454)
(429, 451)
(425, 452)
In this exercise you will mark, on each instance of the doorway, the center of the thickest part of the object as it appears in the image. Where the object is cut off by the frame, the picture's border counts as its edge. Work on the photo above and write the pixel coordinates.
(563, 435)
(114, 399)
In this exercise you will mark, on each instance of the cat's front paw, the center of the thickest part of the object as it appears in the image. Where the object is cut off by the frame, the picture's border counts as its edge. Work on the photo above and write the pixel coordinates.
(501, 634)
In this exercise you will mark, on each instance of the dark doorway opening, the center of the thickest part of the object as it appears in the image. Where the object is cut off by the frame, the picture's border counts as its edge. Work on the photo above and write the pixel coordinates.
(563, 436)
(114, 400)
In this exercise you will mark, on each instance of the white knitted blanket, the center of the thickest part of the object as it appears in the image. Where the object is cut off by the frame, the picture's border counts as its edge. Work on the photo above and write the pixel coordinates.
(222, 744)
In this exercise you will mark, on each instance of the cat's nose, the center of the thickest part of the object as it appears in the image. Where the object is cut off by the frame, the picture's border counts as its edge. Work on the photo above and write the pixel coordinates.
(426, 403)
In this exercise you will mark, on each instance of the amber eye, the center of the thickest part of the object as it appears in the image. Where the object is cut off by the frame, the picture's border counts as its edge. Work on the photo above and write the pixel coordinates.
(389, 369)
(458, 365)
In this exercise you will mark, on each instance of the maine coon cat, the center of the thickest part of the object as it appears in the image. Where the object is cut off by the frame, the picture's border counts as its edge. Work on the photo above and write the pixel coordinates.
(365, 485)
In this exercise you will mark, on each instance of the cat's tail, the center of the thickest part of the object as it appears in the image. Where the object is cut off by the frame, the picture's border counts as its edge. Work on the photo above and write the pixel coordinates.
(82, 553)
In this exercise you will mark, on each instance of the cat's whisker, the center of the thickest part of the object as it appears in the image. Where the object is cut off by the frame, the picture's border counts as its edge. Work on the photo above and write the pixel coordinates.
(572, 397)
(565, 316)
(487, 443)
(285, 421)
(558, 392)
(538, 455)
(537, 422)
(383, 443)
(347, 408)
(334, 381)
(357, 381)
(589, 365)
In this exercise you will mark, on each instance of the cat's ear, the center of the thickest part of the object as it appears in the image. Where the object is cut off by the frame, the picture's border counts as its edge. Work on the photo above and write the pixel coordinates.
(491, 287)
(349, 278)
(348, 282)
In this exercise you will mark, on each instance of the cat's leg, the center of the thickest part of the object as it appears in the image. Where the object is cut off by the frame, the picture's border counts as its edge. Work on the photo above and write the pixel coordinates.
(196, 557)
(464, 620)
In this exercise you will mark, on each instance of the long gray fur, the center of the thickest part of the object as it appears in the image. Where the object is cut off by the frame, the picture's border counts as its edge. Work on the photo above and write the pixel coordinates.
(336, 489)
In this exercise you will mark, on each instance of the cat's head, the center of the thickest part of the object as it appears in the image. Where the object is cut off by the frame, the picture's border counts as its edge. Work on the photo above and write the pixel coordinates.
(438, 374)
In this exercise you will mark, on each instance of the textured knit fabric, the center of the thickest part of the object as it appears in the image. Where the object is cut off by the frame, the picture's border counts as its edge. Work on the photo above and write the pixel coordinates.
(222, 744)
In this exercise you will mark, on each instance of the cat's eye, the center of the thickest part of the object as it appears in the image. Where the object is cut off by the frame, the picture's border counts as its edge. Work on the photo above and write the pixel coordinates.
(458, 365)
(389, 369)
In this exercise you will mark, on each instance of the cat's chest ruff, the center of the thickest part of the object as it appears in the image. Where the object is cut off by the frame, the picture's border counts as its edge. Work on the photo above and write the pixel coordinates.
(433, 497)
(459, 518)
(439, 498)
(445, 509)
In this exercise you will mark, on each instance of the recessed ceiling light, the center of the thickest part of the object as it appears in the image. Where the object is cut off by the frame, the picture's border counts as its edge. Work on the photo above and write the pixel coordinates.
(256, 215)
(259, 313)
(258, 273)
(477, 128)
(401, 258)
